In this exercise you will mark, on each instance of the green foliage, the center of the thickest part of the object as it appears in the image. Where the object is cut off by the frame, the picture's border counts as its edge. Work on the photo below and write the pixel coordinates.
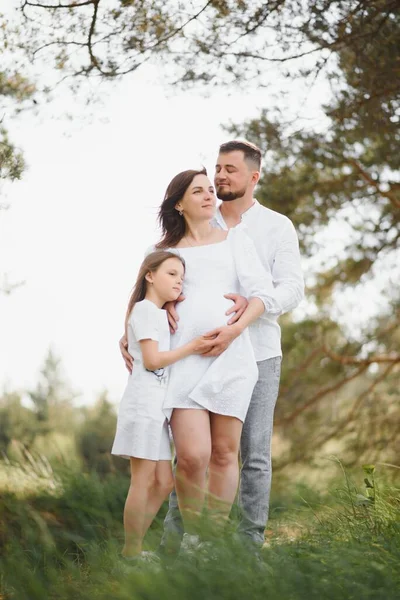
(52, 398)
(95, 438)
(325, 545)
(338, 388)
(22, 425)
(11, 160)
(217, 42)
(14, 85)
(14, 89)
(16, 422)
(312, 177)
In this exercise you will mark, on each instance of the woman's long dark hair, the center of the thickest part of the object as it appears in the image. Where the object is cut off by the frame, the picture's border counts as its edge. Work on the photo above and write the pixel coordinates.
(173, 224)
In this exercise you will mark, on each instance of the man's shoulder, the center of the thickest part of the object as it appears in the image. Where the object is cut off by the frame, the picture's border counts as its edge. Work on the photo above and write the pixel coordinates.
(273, 217)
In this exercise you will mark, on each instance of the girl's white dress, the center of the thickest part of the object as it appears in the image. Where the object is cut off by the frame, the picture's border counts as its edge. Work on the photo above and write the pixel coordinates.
(142, 429)
(225, 384)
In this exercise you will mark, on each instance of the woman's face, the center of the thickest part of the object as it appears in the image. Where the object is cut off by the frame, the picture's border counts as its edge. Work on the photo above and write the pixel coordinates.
(199, 201)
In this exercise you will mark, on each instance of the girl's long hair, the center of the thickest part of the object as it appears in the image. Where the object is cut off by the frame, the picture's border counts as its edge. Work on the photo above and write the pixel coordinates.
(150, 264)
(173, 226)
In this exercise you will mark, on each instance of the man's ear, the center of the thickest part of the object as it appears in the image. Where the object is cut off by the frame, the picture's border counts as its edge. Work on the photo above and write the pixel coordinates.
(255, 177)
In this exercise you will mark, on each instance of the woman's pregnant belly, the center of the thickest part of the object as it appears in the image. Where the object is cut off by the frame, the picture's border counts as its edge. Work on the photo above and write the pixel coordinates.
(199, 314)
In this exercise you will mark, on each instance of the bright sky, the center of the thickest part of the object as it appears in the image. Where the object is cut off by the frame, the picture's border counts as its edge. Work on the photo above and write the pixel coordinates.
(83, 214)
(81, 218)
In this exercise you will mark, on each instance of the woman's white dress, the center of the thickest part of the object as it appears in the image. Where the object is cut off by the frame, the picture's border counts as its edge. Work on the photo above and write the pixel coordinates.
(224, 384)
(142, 429)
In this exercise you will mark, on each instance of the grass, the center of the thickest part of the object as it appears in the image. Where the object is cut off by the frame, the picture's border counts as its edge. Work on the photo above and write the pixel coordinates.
(63, 541)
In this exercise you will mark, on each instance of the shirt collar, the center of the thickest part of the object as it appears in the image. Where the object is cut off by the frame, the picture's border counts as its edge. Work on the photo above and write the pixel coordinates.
(244, 216)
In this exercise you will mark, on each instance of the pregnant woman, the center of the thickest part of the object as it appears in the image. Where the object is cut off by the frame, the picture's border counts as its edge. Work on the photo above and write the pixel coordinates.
(208, 397)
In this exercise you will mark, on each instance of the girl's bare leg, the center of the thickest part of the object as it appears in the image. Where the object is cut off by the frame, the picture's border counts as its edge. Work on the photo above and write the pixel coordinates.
(191, 433)
(136, 505)
(223, 479)
(163, 486)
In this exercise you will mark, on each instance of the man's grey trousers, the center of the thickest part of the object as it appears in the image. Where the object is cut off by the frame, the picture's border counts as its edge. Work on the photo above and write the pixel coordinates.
(255, 453)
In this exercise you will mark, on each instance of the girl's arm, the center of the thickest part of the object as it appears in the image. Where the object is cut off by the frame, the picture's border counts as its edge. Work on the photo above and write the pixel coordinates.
(154, 359)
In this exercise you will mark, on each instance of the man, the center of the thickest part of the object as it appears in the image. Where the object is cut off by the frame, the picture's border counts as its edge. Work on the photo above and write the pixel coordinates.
(236, 175)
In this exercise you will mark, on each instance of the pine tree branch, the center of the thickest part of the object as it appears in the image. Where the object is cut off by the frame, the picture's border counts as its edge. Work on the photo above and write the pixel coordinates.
(367, 177)
(352, 360)
(94, 61)
(300, 369)
(319, 395)
(307, 453)
(71, 5)
(356, 406)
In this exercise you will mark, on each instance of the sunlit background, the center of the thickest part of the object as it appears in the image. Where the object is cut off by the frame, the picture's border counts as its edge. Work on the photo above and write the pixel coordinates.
(85, 211)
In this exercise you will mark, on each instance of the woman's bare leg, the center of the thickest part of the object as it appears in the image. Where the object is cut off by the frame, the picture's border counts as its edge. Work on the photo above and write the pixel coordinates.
(191, 433)
(223, 479)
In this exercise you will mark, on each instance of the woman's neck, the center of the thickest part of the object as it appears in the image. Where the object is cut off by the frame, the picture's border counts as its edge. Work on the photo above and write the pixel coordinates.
(199, 232)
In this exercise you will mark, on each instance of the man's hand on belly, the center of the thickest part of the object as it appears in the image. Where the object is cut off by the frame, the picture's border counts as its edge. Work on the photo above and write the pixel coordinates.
(239, 306)
(223, 337)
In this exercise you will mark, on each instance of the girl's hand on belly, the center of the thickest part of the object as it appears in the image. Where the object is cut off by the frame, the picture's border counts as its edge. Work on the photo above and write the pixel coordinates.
(201, 345)
(221, 337)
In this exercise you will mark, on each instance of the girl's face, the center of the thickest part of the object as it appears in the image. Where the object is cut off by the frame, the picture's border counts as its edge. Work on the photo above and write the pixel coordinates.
(167, 280)
(199, 201)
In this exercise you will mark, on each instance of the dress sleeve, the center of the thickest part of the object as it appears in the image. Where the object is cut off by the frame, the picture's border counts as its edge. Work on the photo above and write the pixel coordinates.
(145, 322)
(255, 279)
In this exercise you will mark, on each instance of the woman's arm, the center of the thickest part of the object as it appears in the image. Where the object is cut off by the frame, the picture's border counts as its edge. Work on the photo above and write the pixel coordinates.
(154, 359)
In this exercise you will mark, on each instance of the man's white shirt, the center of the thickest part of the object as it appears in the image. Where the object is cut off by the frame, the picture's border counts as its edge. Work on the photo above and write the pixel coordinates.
(277, 245)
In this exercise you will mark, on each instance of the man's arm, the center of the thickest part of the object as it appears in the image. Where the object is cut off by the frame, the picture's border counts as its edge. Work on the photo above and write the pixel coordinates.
(240, 303)
(123, 347)
(286, 271)
(223, 336)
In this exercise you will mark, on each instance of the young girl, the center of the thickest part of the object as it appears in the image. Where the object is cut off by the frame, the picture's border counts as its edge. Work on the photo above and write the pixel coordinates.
(142, 430)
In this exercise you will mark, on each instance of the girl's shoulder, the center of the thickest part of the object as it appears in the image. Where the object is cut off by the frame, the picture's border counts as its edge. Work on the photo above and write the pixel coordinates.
(145, 308)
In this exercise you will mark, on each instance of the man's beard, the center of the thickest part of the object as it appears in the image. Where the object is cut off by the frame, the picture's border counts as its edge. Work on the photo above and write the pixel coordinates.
(229, 196)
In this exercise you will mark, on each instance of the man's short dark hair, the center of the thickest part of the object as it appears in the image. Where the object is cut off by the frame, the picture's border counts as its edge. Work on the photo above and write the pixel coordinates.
(251, 152)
